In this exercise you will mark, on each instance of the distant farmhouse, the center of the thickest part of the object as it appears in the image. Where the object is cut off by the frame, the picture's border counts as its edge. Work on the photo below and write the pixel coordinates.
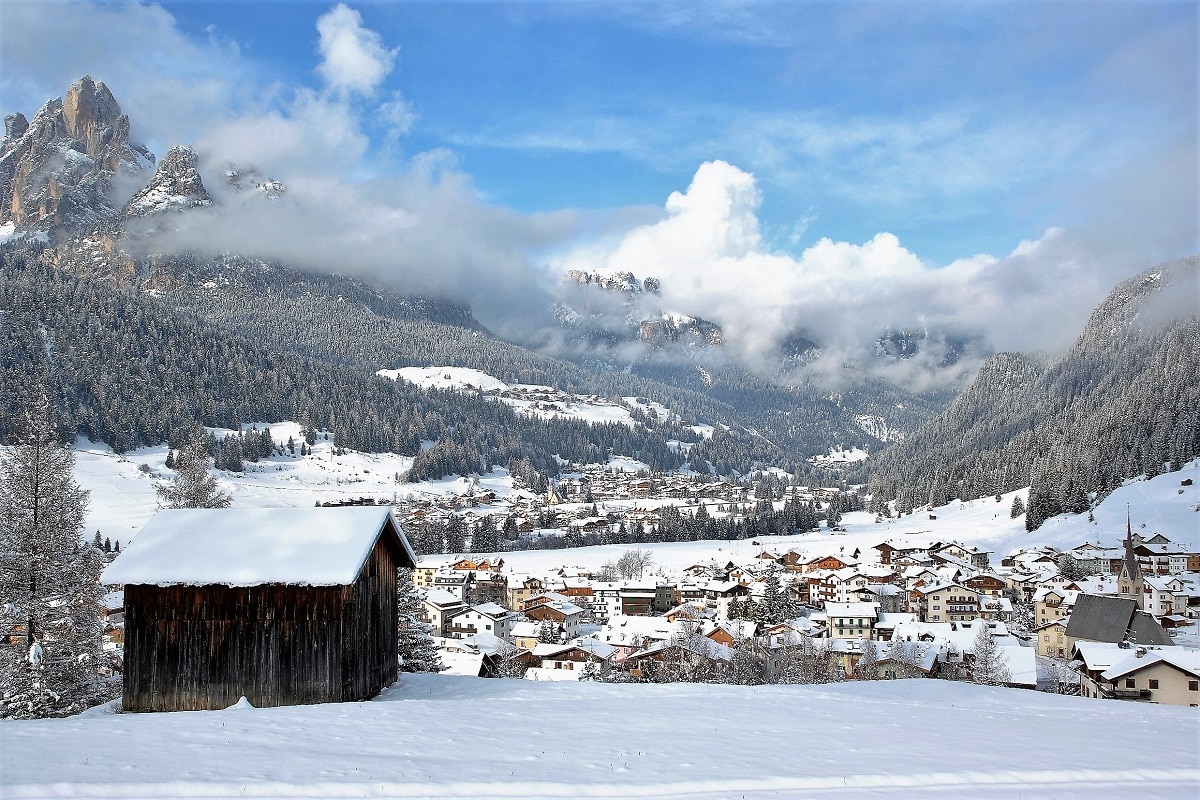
(281, 606)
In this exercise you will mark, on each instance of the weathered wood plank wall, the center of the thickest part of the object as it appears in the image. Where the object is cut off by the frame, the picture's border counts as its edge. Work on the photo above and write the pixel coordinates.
(204, 647)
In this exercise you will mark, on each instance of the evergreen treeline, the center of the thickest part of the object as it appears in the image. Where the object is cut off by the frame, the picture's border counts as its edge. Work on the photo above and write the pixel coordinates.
(130, 370)
(1123, 401)
(450, 534)
(343, 321)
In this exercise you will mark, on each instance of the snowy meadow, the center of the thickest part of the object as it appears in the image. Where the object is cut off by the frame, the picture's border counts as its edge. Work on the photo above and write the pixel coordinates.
(441, 736)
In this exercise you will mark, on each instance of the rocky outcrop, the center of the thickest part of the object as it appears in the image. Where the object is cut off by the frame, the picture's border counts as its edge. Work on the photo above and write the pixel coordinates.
(243, 179)
(176, 186)
(57, 170)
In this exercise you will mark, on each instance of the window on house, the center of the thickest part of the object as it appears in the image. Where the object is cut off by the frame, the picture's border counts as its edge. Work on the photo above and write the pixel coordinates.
(1130, 683)
(1194, 686)
(1154, 683)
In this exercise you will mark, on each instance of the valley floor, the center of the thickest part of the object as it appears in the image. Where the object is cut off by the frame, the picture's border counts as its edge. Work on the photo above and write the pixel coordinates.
(441, 736)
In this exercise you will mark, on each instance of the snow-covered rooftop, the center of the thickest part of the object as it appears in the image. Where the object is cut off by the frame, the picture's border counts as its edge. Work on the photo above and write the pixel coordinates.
(251, 547)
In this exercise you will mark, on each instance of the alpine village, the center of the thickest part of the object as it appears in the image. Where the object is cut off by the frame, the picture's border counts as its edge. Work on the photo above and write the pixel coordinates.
(617, 557)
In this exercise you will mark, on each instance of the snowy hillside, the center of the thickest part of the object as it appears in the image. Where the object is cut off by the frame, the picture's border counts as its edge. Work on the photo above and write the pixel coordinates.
(441, 736)
(123, 499)
(123, 490)
(530, 400)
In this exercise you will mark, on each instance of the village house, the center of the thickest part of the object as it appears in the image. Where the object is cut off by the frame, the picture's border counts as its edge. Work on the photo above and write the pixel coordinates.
(830, 562)
(453, 582)
(719, 594)
(280, 606)
(574, 656)
(948, 602)
(423, 576)
(1113, 620)
(1125, 671)
(483, 618)
(852, 620)
(438, 607)
(1165, 595)
(526, 634)
(1052, 639)
(1161, 559)
(637, 599)
(1170, 676)
(972, 556)
(631, 633)
(986, 583)
(1093, 557)
(523, 587)
(558, 610)
(1050, 604)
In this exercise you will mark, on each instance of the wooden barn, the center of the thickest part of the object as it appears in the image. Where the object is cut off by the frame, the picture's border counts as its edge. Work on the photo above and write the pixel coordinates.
(283, 606)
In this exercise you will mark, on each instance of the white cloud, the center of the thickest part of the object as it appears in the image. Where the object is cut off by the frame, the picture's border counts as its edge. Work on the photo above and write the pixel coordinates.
(707, 251)
(399, 115)
(353, 58)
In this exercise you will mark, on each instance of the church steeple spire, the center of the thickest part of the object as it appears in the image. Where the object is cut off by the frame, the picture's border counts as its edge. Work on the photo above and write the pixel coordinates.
(1129, 582)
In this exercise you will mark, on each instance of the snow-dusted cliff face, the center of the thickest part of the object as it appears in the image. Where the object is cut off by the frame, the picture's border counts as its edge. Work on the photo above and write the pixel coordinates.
(620, 307)
(176, 185)
(57, 170)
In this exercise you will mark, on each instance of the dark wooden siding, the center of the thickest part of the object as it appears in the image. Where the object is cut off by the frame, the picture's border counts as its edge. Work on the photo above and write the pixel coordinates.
(204, 647)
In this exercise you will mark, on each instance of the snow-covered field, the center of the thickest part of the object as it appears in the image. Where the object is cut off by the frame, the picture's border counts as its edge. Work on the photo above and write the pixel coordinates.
(123, 496)
(441, 736)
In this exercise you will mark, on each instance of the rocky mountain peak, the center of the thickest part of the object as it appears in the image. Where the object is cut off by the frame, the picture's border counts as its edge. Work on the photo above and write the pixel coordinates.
(91, 116)
(15, 126)
(56, 171)
(176, 186)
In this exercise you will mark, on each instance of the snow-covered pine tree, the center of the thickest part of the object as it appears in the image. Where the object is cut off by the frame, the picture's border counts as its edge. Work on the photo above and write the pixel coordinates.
(49, 579)
(548, 632)
(193, 487)
(1018, 507)
(776, 605)
(455, 533)
(486, 538)
(990, 666)
(414, 645)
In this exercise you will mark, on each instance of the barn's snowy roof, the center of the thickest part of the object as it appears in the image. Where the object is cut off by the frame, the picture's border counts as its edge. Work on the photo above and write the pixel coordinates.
(250, 547)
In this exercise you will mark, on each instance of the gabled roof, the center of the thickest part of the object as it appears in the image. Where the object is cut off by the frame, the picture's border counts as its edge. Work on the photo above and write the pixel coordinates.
(443, 598)
(251, 547)
(1098, 618)
(1145, 629)
(851, 609)
(493, 610)
(590, 645)
(1185, 660)
(1113, 619)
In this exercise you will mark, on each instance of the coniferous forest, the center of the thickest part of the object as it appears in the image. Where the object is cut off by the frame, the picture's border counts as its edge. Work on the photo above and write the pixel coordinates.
(1124, 400)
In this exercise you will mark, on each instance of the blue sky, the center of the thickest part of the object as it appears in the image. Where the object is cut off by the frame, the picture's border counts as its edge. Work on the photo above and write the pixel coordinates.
(561, 129)
(961, 128)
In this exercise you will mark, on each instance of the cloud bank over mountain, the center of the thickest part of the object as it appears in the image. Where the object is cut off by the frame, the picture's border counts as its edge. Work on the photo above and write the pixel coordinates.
(367, 196)
(709, 254)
